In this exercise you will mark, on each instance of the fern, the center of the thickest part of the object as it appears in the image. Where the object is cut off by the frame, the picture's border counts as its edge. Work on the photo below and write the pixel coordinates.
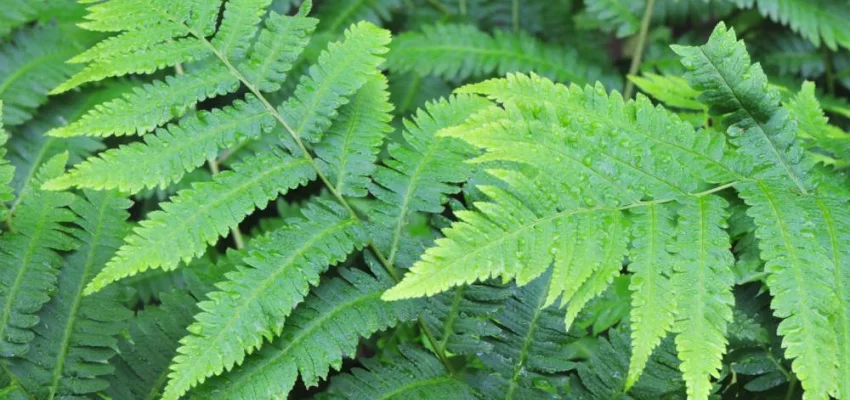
(319, 331)
(30, 259)
(76, 335)
(817, 21)
(7, 171)
(458, 52)
(413, 375)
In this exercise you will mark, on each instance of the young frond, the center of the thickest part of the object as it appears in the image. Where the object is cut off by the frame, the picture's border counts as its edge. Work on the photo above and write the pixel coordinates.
(413, 375)
(76, 335)
(197, 217)
(255, 300)
(30, 260)
(320, 331)
(458, 52)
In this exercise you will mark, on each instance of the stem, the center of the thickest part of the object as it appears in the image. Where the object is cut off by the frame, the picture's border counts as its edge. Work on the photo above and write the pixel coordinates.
(439, 6)
(515, 15)
(791, 387)
(237, 235)
(830, 74)
(462, 7)
(636, 57)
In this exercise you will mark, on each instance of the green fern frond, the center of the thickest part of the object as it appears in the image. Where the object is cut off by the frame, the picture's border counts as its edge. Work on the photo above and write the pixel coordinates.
(238, 26)
(16, 14)
(671, 90)
(459, 318)
(819, 20)
(7, 171)
(197, 217)
(789, 54)
(326, 327)
(32, 63)
(458, 52)
(351, 144)
(830, 144)
(413, 375)
(278, 47)
(337, 14)
(623, 17)
(30, 259)
(702, 283)
(165, 157)
(421, 172)
(141, 367)
(255, 301)
(340, 70)
(529, 344)
(653, 299)
(76, 335)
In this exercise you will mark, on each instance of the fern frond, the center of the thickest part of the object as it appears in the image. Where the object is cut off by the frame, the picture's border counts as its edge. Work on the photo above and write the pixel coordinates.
(516, 234)
(790, 54)
(458, 52)
(702, 282)
(829, 143)
(31, 64)
(668, 89)
(819, 20)
(342, 69)
(16, 14)
(459, 318)
(800, 271)
(337, 14)
(531, 342)
(30, 260)
(165, 157)
(738, 91)
(422, 171)
(255, 301)
(141, 367)
(276, 50)
(653, 299)
(197, 217)
(7, 171)
(351, 144)
(151, 105)
(238, 26)
(76, 335)
(326, 327)
(413, 375)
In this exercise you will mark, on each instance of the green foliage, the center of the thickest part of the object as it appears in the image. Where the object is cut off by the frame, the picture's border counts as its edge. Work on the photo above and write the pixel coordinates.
(256, 199)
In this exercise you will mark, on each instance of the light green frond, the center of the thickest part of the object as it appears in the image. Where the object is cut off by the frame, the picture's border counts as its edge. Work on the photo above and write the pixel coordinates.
(151, 105)
(30, 262)
(196, 218)
(31, 64)
(422, 171)
(816, 20)
(577, 143)
(238, 27)
(255, 301)
(278, 47)
(342, 69)
(413, 375)
(801, 281)
(165, 157)
(458, 52)
(76, 335)
(529, 343)
(738, 91)
(830, 144)
(351, 144)
(141, 367)
(653, 299)
(128, 42)
(702, 282)
(144, 61)
(316, 337)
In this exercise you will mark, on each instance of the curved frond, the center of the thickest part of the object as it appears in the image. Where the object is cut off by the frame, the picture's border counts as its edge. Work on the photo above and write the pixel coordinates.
(315, 338)
(76, 335)
(413, 375)
(255, 301)
(458, 52)
(30, 262)
(196, 218)
(351, 144)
